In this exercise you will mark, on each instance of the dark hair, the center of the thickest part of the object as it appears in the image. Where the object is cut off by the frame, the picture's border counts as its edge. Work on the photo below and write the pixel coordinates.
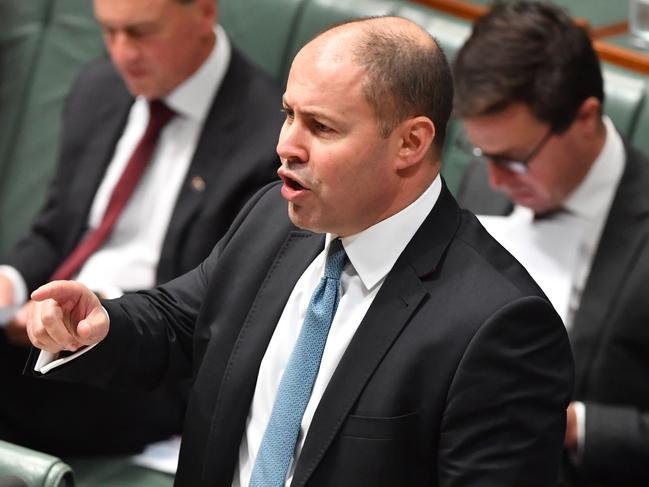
(405, 76)
(529, 52)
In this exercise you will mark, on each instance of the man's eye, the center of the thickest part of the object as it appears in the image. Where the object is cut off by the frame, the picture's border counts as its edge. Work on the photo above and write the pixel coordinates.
(108, 31)
(320, 127)
(288, 112)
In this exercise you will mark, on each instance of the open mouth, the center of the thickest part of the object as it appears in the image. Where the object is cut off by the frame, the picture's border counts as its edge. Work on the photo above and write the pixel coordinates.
(292, 184)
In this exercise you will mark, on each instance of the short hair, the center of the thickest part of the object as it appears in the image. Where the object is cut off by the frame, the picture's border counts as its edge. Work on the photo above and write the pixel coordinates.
(528, 52)
(404, 76)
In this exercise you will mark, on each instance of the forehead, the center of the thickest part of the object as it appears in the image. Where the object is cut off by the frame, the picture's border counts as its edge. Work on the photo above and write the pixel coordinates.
(513, 127)
(127, 12)
(326, 78)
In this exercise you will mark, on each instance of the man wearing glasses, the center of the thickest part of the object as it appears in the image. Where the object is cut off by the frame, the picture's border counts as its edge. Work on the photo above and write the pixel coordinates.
(575, 204)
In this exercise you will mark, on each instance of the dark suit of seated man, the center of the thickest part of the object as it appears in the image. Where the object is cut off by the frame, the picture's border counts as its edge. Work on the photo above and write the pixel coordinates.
(216, 152)
(442, 362)
(577, 199)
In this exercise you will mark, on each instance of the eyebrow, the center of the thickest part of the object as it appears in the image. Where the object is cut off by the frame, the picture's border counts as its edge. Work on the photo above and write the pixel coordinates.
(107, 24)
(311, 113)
(501, 154)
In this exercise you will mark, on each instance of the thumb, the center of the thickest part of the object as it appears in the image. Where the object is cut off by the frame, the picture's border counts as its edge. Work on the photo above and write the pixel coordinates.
(94, 327)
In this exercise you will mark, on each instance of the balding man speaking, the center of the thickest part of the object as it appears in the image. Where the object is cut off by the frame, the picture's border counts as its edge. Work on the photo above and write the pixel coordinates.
(375, 334)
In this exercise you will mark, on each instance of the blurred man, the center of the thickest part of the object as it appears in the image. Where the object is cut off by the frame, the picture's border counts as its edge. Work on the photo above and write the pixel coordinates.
(530, 93)
(375, 335)
(160, 149)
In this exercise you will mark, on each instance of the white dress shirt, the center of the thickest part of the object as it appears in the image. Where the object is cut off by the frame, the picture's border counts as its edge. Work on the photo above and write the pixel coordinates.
(371, 254)
(128, 259)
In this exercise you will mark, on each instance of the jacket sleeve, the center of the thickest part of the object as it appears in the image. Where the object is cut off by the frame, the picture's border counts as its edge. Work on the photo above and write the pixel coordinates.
(151, 334)
(505, 416)
(616, 446)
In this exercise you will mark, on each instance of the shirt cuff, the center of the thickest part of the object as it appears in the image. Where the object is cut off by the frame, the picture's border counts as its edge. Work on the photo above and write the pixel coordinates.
(47, 361)
(580, 414)
(19, 290)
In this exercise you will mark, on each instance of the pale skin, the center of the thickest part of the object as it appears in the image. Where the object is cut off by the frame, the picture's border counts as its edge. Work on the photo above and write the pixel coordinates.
(340, 174)
(572, 430)
(155, 45)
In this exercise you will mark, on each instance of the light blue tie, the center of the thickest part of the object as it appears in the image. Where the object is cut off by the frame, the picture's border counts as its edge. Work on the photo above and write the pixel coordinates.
(278, 444)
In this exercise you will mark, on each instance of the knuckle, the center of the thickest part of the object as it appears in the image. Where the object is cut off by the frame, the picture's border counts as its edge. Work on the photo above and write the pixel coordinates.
(38, 343)
(49, 316)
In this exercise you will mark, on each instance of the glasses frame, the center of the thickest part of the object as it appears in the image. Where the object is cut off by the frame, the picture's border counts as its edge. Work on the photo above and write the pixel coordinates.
(512, 165)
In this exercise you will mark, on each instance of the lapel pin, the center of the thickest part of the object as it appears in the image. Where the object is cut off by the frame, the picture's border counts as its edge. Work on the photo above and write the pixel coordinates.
(198, 183)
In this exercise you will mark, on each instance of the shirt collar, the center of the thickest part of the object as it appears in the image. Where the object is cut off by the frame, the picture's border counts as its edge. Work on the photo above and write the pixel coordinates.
(193, 97)
(374, 251)
(594, 195)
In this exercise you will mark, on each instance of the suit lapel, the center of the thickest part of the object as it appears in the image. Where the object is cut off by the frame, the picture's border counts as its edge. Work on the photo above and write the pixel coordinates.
(97, 154)
(240, 377)
(392, 309)
(615, 256)
(205, 170)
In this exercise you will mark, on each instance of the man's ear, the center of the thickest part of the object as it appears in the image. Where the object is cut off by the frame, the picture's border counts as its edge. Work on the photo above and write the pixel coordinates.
(208, 12)
(590, 111)
(587, 124)
(417, 135)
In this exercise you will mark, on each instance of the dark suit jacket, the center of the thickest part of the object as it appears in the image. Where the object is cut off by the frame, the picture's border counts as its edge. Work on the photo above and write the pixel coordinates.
(459, 374)
(235, 157)
(610, 333)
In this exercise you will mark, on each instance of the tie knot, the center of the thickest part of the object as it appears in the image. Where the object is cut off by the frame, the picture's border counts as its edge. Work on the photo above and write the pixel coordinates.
(159, 114)
(335, 259)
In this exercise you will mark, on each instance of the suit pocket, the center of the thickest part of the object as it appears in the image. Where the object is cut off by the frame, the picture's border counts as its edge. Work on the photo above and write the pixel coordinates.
(376, 451)
(380, 428)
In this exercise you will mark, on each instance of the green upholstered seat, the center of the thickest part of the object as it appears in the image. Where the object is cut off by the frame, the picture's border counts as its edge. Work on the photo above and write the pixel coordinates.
(115, 471)
(640, 134)
(317, 15)
(43, 45)
(449, 31)
(624, 92)
(36, 469)
(262, 29)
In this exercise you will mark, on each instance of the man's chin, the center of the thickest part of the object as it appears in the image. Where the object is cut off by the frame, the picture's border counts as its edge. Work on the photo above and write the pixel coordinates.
(300, 219)
(138, 88)
(524, 199)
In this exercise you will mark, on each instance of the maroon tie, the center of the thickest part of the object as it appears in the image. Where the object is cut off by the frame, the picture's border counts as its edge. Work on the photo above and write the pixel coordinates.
(159, 115)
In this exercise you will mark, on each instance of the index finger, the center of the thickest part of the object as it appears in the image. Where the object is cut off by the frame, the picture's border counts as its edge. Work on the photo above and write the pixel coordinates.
(59, 291)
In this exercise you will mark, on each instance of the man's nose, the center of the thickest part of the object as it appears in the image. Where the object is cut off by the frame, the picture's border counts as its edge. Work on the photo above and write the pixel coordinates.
(122, 48)
(499, 177)
(292, 144)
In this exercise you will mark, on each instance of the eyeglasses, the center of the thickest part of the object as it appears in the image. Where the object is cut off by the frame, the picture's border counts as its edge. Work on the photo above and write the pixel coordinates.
(505, 162)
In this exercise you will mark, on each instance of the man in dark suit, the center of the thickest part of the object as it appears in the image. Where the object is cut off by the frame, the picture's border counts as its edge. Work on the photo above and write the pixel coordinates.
(216, 152)
(530, 93)
(444, 364)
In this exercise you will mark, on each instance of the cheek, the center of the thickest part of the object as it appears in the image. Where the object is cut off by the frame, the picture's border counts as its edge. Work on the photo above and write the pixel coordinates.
(543, 183)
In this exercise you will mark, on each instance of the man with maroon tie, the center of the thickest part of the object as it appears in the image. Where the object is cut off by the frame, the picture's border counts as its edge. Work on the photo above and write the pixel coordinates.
(155, 162)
